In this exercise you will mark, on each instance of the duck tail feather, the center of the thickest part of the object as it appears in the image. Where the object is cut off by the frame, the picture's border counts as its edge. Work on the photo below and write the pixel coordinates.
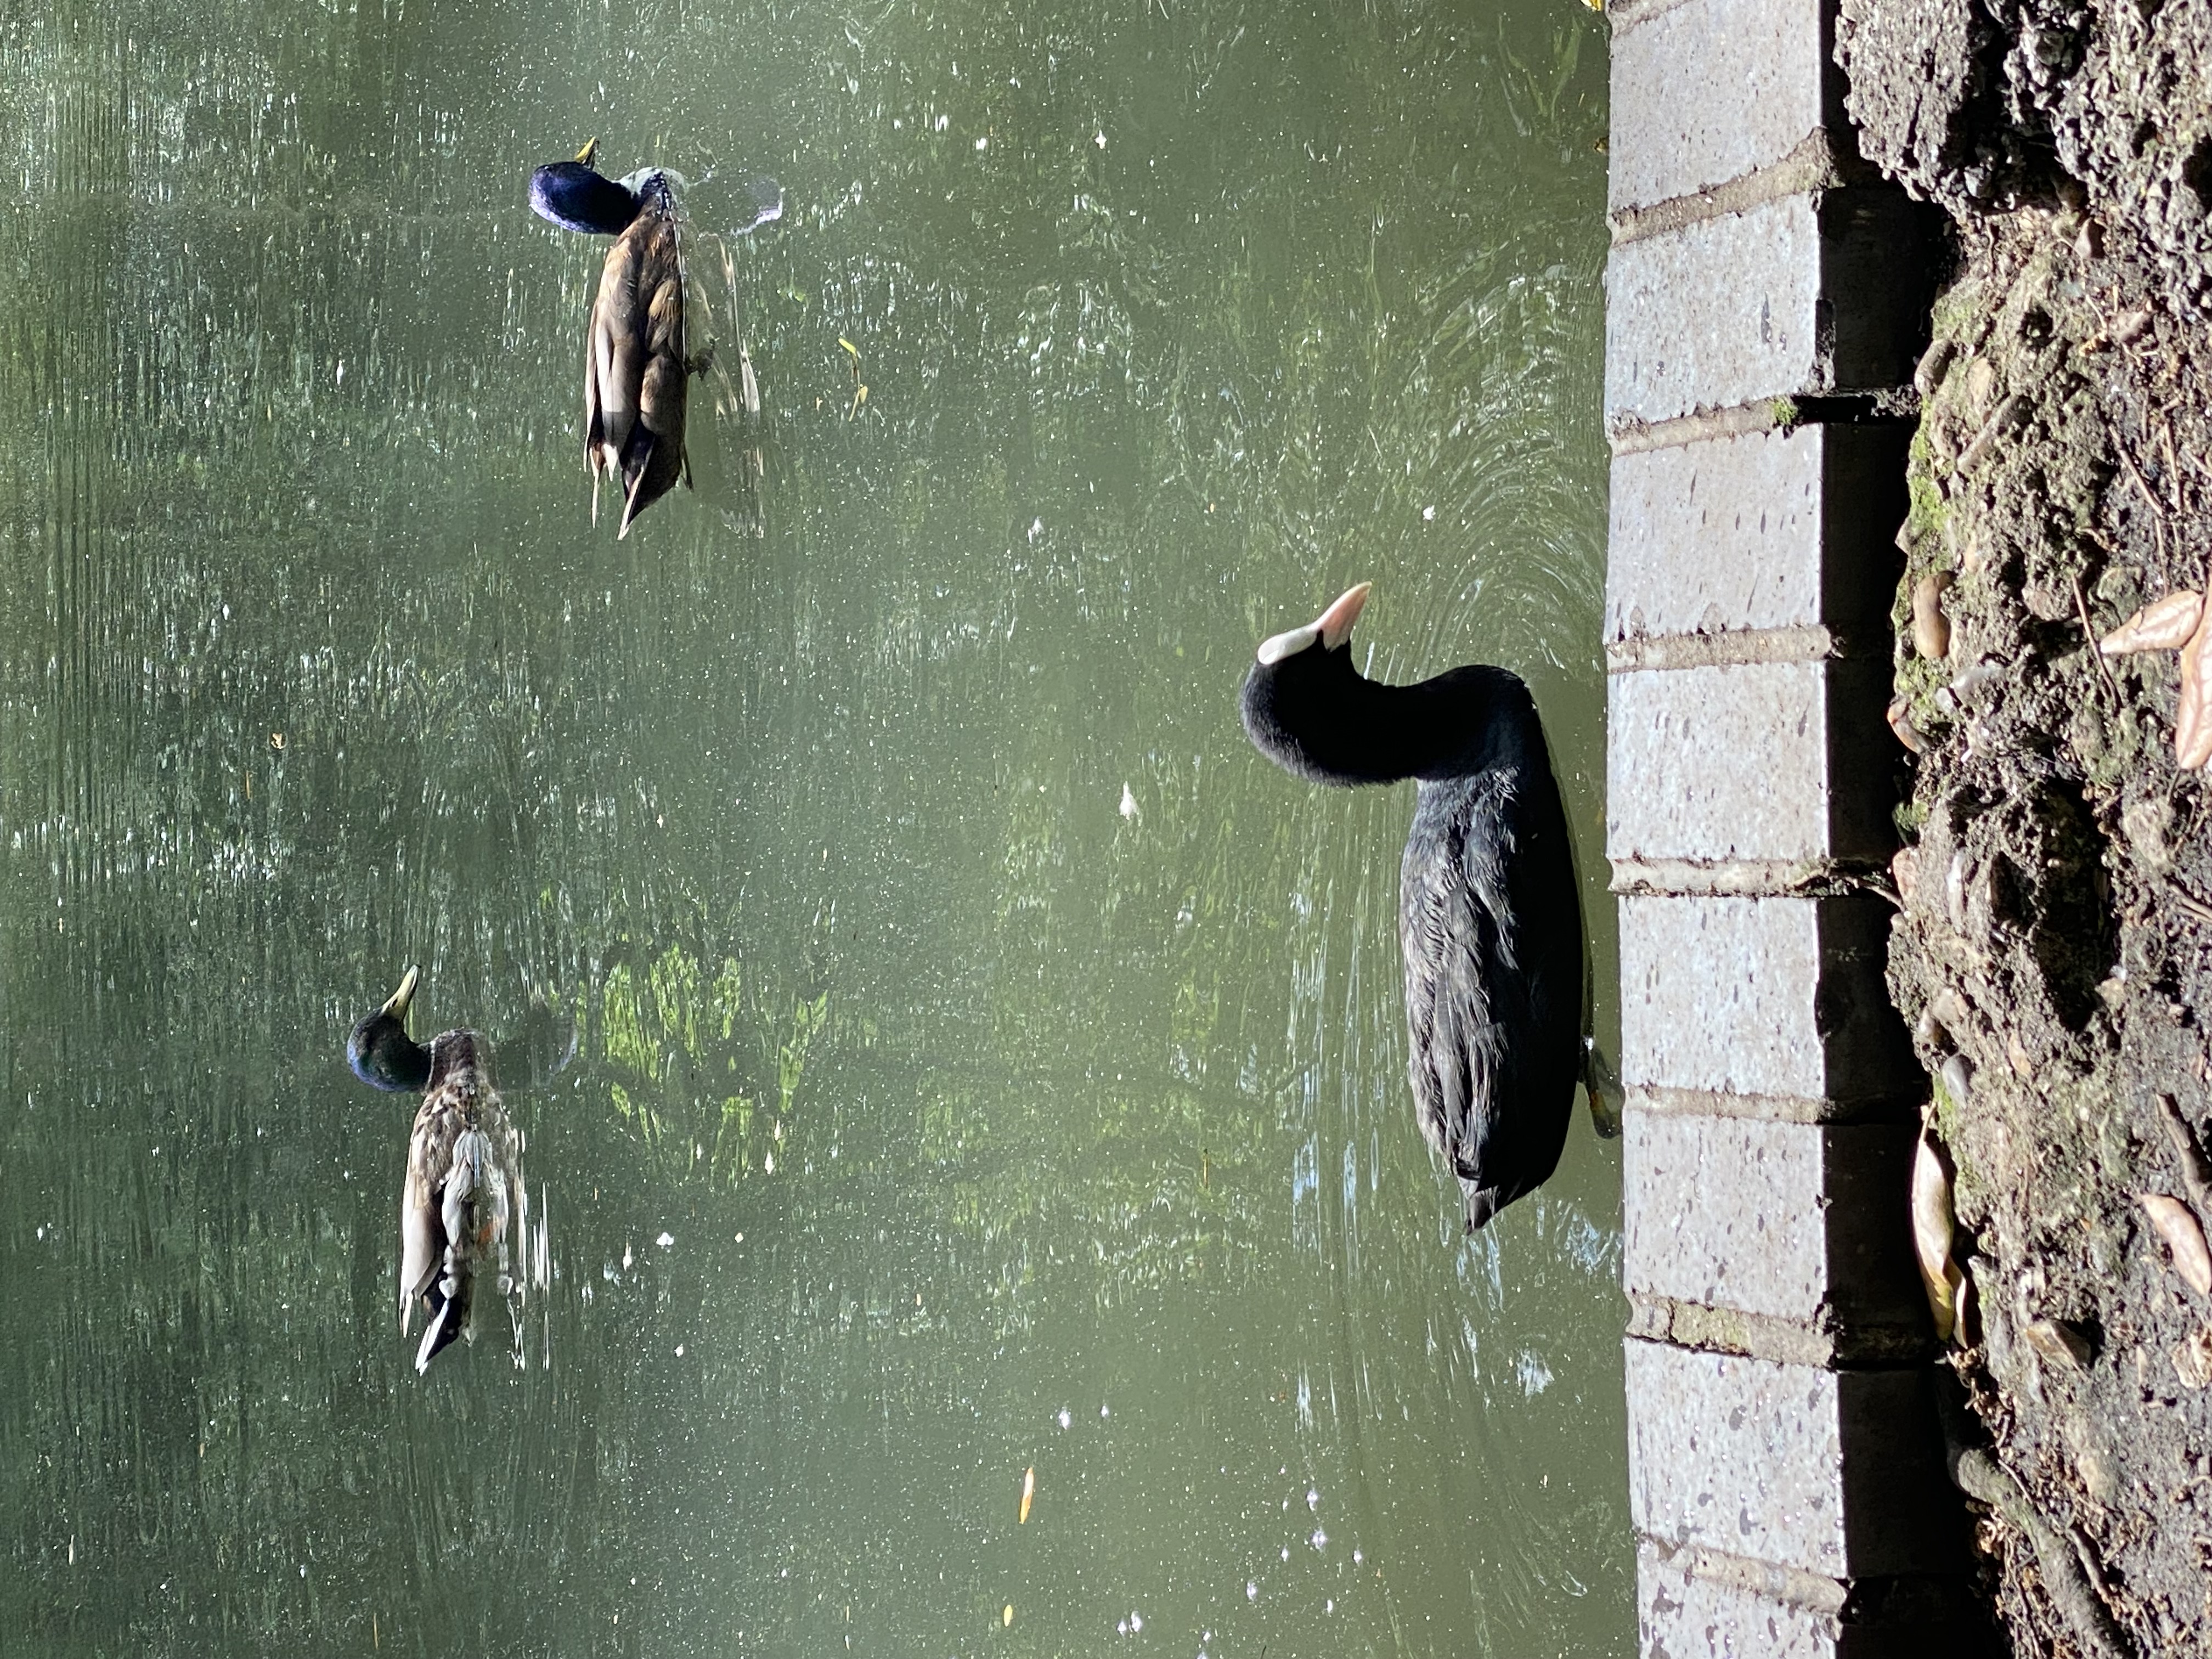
(636, 484)
(449, 1319)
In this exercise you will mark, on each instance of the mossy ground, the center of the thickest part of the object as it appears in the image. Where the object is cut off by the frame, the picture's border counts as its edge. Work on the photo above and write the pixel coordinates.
(2056, 932)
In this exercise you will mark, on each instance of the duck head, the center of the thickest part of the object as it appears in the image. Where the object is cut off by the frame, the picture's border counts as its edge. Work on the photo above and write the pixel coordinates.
(379, 1050)
(577, 196)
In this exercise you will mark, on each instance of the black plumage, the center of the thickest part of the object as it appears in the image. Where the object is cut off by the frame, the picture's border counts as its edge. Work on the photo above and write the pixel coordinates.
(1489, 915)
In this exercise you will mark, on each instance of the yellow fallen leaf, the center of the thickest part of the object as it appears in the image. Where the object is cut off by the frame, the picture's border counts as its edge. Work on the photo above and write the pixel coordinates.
(2162, 625)
(1028, 1492)
(849, 347)
(1007, 1617)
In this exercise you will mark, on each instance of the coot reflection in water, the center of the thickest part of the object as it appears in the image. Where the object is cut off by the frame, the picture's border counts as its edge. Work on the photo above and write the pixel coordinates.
(462, 1197)
(1489, 914)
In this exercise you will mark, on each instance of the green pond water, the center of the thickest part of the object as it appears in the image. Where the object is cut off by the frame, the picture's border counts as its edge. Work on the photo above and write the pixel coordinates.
(988, 1062)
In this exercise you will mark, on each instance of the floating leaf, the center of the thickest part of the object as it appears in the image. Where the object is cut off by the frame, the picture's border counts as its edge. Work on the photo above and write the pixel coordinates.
(2178, 1226)
(2162, 625)
(1007, 1617)
(1028, 1492)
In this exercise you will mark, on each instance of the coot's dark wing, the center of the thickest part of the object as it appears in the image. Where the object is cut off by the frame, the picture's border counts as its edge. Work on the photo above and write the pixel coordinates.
(1447, 928)
(1490, 928)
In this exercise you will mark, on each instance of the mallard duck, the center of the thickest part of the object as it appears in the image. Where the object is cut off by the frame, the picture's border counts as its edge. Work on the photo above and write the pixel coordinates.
(463, 1184)
(635, 363)
(1488, 915)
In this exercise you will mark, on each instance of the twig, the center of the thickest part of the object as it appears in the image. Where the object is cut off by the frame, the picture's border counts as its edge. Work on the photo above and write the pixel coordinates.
(2196, 1174)
(2096, 656)
(2157, 507)
(2188, 901)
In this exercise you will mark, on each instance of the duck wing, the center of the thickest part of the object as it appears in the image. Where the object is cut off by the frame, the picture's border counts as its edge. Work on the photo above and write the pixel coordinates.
(422, 1230)
(613, 359)
(635, 372)
(652, 456)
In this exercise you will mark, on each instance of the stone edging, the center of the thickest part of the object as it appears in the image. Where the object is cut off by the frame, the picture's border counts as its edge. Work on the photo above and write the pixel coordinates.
(1767, 294)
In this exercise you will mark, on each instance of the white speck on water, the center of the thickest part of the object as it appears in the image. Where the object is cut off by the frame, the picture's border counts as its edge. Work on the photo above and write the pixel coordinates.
(1427, 514)
(1286, 1552)
(982, 143)
(1136, 1620)
(1320, 1539)
(1065, 1419)
(626, 1258)
(1251, 1591)
(1101, 141)
(1313, 1497)
(1533, 1374)
(1102, 1411)
(679, 1350)
(1356, 1557)
(1037, 529)
(1128, 804)
(665, 1240)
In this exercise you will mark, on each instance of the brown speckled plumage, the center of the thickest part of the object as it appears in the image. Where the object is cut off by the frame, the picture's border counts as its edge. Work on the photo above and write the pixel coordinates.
(463, 1199)
(634, 364)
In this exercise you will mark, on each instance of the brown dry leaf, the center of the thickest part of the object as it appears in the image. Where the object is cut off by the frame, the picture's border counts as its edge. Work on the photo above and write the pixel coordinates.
(2178, 1226)
(2192, 1359)
(2162, 625)
(1931, 628)
(1932, 1228)
(1900, 721)
(2057, 1342)
(2192, 721)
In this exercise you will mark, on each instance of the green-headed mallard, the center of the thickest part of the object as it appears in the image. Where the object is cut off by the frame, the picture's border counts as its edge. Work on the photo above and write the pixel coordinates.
(464, 1185)
(636, 359)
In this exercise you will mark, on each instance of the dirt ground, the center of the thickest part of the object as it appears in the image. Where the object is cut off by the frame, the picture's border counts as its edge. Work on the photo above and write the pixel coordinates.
(2053, 951)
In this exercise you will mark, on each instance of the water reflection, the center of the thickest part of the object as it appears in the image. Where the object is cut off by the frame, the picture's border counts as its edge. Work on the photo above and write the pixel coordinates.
(932, 1118)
